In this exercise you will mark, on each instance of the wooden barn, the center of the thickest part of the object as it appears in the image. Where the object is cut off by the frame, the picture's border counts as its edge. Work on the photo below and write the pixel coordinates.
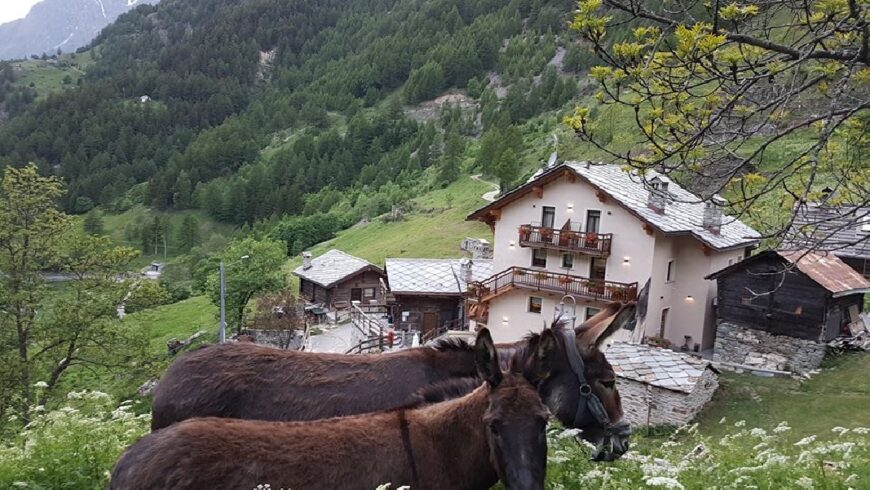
(335, 279)
(777, 310)
(428, 295)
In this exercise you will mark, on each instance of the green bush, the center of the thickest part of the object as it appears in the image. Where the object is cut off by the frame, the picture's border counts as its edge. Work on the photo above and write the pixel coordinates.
(73, 447)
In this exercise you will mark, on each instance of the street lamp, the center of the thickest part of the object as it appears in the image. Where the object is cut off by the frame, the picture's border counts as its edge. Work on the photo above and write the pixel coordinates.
(573, 309)
(222, 335)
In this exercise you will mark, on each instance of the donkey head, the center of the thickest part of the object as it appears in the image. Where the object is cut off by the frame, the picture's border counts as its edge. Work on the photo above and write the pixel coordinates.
(516, 421)
(589, 402)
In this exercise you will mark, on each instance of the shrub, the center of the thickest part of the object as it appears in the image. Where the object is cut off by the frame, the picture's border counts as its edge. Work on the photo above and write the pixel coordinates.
(74, 447)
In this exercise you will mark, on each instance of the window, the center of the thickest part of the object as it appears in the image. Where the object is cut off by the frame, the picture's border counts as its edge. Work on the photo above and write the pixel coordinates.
(672, 272)
(369, 293)
(865, 224)
(539, 257)
(664, 322)
(535, 304)
(590, 312)
(598, 268)
(567, 261)
(548, 217)
(593, 221)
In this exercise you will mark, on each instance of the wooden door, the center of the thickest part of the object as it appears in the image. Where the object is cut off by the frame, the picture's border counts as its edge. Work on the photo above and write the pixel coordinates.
(356, 294)
(430, 322)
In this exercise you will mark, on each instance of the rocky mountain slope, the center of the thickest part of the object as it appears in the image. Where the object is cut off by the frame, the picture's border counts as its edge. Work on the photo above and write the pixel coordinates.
(60, 24)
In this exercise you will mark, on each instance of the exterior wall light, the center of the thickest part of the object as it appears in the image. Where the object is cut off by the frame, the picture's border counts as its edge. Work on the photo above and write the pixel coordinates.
(626, 260)
(690, 299)
(570, 208)
(512, 244)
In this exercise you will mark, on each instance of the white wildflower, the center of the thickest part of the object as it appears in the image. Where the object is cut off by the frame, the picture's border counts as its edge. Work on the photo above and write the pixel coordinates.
(839, 430)
(861, 430)
(722, 420)
(40, 384)
(661, 481)
(851, 478)
(39, 408)
(565, 434)
(804, 482)
(757, 432)
(782, 427)
(740, 423)
(806, 441)
(19, 484)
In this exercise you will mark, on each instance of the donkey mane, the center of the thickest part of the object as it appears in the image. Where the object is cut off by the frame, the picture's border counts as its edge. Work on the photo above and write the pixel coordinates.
(452, 345)
(442, 391)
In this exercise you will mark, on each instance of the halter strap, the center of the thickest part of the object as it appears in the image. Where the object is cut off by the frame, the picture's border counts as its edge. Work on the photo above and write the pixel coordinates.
(409, 449)
(588, 400)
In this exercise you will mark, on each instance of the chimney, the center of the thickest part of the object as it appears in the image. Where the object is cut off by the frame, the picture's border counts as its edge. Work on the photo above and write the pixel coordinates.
(713, 214)
(658, 195)
(465, 270)
(306, 260)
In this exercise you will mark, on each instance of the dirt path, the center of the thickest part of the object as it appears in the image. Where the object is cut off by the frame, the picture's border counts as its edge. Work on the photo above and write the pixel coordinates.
(491, 195)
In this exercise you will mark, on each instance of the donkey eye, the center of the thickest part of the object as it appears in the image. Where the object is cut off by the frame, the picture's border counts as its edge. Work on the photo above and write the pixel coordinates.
(609, 384)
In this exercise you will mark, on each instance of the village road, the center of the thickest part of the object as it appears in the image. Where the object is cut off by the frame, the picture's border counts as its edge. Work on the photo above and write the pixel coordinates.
(335, 340)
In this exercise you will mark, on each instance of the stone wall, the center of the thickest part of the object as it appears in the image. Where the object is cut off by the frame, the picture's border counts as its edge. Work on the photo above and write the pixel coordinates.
(756, 348)
(279, 339)
(647, 405)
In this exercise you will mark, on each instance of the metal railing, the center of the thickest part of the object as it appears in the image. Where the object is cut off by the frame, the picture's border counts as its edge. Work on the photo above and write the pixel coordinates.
(521, 277)
(597, 244)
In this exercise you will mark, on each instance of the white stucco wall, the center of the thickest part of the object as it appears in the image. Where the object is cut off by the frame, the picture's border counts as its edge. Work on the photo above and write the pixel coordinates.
(647, 258)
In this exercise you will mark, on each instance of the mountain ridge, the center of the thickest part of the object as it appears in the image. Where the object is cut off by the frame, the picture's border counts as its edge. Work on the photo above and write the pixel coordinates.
(60, 24)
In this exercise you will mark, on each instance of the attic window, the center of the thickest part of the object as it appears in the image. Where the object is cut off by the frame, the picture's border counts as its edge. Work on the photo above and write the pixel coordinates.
(865, 224)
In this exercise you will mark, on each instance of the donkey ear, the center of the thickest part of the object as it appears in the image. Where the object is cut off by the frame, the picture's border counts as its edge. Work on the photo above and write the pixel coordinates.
(597, 329)
(543, 359)
(486, 358)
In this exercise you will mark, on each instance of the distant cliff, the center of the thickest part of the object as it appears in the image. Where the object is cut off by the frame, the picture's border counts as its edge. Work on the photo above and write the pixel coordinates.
(60, 24)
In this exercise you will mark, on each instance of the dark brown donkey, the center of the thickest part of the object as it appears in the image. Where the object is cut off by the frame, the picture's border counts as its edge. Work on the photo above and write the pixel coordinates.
(253, 382)
(497, 432)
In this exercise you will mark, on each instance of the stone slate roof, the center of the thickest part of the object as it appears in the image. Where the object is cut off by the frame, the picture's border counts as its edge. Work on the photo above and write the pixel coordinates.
(657, 367)
(433, 276)
(333, 267)
(833, 226)
(684, 213)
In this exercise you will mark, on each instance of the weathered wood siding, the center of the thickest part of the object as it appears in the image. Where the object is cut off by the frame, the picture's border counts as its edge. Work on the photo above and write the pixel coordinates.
(341, 292)
(445, 307)
(838, 314)
(795, 306)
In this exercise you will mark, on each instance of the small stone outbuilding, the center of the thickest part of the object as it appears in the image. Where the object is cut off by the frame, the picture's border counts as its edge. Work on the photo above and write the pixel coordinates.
(660, 386)
(777, 310)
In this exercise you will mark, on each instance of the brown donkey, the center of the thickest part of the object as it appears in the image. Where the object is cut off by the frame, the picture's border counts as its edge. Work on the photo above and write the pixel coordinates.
(497, 432)
(253, 382)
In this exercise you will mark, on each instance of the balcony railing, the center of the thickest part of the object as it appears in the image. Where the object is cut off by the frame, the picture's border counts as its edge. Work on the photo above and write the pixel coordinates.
(597, 244)
(554, 282)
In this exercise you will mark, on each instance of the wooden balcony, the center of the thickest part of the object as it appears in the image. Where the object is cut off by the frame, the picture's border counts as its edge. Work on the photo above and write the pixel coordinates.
(552, 282)
(594, 244)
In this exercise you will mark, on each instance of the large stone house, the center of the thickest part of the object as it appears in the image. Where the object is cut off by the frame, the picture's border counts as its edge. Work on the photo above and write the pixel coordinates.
(598, 233)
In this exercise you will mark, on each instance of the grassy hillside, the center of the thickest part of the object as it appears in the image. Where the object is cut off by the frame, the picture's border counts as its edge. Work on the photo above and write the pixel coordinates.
(434, 228)
(157, 326)
(47, 76)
